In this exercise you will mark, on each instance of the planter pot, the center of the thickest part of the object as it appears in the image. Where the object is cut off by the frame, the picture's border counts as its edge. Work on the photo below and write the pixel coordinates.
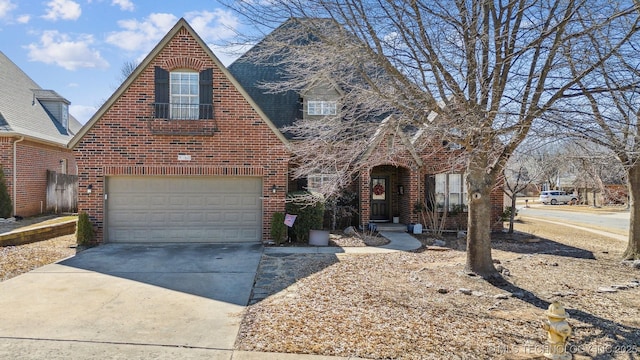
(396, 220)
(410, 228)
(318, 237)
(417, 229)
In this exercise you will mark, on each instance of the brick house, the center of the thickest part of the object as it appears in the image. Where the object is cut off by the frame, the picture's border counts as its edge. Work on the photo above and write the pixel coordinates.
(180, 152)
(188, 150)
(396, 180)
(35, 127)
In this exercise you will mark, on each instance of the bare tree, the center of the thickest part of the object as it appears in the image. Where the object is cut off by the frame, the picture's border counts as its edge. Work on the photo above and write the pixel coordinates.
(521, 172)
(610, 115)
(487, 69)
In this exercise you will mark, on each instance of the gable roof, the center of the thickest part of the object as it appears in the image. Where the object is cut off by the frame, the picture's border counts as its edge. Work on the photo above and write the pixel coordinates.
(282, 108)
(181, 24)
(22, 113)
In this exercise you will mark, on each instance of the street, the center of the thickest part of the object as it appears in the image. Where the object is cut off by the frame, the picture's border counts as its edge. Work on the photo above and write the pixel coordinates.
(614, 221)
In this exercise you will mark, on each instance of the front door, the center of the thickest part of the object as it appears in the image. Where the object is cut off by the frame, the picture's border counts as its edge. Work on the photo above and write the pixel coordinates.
(380, 201)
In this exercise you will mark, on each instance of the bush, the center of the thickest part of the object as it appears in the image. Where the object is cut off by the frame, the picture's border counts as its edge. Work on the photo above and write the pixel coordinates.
(278, 228)
(6, 207)
(506, 214)
(84, 233)
(310, 211)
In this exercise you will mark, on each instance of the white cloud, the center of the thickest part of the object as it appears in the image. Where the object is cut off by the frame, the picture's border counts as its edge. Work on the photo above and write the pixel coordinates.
(124, 4)
(62, 9)
(82, 113)
(23, 19)
(141, 36)
(71, 54)
(213, 25)
(5, 7)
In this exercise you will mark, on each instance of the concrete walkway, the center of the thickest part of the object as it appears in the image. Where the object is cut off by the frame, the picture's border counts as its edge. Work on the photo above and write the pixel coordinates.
(398, 241)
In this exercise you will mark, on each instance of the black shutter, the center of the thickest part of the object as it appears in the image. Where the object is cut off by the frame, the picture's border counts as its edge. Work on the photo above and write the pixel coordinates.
(206, 94)
(162, 93)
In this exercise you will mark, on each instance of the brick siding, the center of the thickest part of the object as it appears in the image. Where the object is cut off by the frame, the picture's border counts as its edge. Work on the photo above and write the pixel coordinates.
(123, 140)
(33, 161)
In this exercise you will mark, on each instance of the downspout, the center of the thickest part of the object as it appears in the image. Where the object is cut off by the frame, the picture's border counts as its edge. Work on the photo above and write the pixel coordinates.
(15, 173)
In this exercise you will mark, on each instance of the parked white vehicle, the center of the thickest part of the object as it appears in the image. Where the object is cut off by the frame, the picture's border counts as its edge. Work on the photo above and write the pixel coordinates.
(554, 197)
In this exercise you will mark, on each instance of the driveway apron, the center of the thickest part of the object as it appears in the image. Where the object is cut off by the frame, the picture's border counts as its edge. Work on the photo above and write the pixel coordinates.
(182, 295)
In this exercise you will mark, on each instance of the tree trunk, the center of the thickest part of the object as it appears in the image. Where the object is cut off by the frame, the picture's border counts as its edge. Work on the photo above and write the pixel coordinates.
(479, 185)
(512, 214)
(633, 247)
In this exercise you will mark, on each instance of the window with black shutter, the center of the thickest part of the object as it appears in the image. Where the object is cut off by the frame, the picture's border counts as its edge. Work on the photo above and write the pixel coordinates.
(183, 94)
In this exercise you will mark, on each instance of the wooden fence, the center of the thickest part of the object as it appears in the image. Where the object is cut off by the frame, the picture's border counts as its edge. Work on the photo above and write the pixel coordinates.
(62, 192)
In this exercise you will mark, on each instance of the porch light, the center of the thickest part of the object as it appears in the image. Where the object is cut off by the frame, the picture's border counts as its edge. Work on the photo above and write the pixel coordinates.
(89, 188)
(400, 190)
(274, 188)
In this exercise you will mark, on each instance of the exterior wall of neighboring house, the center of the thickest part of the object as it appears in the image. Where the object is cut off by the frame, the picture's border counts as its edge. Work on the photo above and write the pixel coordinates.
(33, 159)
(128, 139)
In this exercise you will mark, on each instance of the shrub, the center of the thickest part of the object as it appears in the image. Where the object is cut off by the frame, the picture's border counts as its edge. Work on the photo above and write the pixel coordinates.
(6, 207)
(84, 232)
(506, 214)
(310, 211)
(278, 228)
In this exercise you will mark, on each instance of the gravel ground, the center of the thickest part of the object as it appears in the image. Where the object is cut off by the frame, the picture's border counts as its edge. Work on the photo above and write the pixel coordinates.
(15, 260)
(422, 306)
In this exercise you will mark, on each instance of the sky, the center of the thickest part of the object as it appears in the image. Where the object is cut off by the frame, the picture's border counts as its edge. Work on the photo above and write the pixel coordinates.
(78, 47)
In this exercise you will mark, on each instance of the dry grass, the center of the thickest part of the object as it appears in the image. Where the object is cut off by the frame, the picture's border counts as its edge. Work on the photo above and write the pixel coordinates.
(409, 305)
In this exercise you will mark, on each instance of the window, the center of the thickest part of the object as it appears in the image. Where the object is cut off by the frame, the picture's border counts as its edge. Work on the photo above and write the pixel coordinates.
(318, 182)
(183, 94)
(65, 116)
(185, 98)
(321, 108)
(446, 190)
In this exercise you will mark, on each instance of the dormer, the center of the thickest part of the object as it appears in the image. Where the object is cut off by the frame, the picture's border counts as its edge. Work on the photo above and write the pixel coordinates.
(56, 106)
(321, 100)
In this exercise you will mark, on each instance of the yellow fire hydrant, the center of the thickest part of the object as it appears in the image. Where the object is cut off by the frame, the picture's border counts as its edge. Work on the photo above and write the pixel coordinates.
(558, 331)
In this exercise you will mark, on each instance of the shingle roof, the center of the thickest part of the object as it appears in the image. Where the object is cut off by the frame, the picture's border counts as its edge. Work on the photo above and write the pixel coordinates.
(281, 108)
(21, 112)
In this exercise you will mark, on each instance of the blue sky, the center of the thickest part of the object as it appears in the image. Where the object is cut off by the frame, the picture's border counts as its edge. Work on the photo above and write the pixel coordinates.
(78, 47)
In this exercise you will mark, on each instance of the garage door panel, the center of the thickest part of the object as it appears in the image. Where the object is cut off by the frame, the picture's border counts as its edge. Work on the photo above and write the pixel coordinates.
(184, 209)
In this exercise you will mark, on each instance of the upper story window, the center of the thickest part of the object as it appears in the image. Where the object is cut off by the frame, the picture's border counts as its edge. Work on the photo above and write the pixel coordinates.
(183, 94)
(321, 107)
(65, 116)
(185, 98)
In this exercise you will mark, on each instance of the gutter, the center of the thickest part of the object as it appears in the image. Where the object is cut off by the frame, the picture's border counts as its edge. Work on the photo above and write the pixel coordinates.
(15, 173)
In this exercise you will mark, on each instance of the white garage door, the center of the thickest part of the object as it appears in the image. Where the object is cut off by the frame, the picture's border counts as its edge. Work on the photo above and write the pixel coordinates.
(157, 209)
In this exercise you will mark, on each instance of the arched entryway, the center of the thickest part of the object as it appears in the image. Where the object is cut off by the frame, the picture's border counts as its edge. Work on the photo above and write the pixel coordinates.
(389, 194)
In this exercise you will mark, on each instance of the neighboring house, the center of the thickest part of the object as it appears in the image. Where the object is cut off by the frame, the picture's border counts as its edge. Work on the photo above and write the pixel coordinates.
(35, 127)
(181, 153)
(186, 150)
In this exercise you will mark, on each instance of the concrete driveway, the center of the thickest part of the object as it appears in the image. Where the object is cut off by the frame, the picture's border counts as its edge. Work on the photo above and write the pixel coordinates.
(138, 301)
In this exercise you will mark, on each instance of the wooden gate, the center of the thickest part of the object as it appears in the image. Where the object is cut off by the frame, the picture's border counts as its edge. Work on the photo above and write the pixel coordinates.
(62, 193)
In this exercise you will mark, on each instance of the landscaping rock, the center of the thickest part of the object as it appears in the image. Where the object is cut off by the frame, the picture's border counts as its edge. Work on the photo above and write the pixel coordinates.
(605, 289)
(351, 231)
(465, 291)
(440, 243)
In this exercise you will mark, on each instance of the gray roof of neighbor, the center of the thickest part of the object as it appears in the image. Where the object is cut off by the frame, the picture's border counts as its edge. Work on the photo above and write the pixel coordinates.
(21, 112)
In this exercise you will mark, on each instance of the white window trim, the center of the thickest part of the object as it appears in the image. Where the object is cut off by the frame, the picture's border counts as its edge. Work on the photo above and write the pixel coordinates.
(443, 191)
(321, 107)
(317, 182)
(181, 110)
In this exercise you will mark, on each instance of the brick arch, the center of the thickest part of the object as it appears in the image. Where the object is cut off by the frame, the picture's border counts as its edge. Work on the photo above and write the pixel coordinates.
(184, 63)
